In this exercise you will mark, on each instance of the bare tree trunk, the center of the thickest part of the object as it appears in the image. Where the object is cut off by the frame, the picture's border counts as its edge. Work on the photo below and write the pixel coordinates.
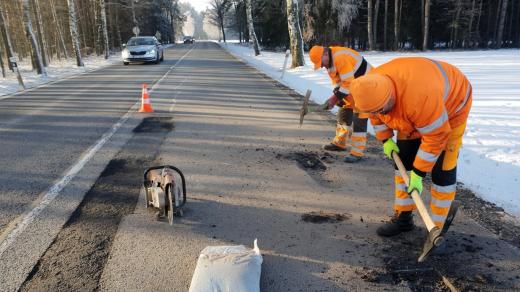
(118, 30)
(2, 62)
(251, 27)
(369, 25)
(426, 24)
(497, 21)
(456, 24)
(396, 25)
(6, 38)
(59, 29)
(221, 22)
(104, 26)
(295, 33)
(501, 25)
(470, 24)
(478, 24)
(376, 16)
(73, 25)
(36, 55)
(385, 26)
(41, 36)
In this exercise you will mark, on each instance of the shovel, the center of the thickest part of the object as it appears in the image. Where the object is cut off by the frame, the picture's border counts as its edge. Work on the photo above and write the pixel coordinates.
(435, 234)
(306, 108)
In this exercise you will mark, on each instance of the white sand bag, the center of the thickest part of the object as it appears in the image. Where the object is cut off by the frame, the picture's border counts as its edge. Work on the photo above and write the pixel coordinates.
(228, 269)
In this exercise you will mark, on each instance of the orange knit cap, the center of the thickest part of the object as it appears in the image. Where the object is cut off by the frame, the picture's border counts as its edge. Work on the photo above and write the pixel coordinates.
(315, 54)
(371, 91)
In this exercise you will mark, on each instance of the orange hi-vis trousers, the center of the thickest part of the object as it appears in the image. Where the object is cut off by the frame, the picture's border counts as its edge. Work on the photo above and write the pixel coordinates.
(351, 129)
(444, 176)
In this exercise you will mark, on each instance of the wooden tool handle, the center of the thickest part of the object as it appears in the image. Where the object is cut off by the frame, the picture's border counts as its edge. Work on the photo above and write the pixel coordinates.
(415, 195)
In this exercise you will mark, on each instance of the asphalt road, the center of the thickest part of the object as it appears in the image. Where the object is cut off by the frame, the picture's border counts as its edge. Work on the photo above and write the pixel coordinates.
(251, 173)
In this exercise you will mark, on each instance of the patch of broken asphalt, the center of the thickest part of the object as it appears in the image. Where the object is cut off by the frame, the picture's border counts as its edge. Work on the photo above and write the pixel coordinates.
(76, 258)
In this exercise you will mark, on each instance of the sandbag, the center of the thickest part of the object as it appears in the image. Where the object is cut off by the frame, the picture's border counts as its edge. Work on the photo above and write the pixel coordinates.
(228, 268)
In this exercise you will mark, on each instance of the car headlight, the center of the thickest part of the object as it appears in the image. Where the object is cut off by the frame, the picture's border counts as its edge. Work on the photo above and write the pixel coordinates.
(151, 52)
(125, 53)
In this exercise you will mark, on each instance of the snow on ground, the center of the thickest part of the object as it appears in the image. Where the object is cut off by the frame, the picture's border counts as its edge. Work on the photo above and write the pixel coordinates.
(58, 69)
(489, 163)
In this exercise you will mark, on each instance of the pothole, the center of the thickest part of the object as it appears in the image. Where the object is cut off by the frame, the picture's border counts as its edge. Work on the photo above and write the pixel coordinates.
(323, 217)
(155, 125)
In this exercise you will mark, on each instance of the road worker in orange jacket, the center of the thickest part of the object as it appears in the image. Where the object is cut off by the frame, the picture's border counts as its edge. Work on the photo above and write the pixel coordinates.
(343, 66)
(427, 102)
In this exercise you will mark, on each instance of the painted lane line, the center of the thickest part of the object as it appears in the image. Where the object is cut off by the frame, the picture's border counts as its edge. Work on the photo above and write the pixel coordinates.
(174, 99)
(9, 238)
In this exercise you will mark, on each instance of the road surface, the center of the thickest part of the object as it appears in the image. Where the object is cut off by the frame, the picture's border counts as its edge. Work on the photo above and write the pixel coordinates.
(251, 173)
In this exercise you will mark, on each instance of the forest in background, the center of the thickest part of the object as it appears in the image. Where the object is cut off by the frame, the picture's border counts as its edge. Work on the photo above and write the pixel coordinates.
(45, 30)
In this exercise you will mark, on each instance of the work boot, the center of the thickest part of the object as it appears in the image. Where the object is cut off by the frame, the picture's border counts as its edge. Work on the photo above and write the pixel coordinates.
(352, 159)
(400, 222)
(332, 147)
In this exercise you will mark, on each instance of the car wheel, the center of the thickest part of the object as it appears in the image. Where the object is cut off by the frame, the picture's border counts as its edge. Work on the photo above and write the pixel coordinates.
(126, 63)
(162, 57)
(157, 59)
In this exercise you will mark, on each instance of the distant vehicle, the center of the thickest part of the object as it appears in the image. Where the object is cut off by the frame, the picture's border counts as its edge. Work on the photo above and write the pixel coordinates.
(142, 49)
(188, 39)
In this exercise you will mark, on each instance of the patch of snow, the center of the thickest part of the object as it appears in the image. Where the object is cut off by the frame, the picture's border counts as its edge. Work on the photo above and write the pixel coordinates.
(58, 69)
(489, 163)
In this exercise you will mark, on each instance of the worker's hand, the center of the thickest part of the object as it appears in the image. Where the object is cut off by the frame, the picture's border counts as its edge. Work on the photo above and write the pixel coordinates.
(415, 183)
(389, 146)
(330, 103)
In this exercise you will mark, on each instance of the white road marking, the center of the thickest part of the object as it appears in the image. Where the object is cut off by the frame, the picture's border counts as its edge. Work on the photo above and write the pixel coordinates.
(54, 191)
(174, 99)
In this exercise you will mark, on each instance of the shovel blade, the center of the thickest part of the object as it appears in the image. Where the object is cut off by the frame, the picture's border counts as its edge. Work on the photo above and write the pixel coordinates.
(305, 106)
(436, 235)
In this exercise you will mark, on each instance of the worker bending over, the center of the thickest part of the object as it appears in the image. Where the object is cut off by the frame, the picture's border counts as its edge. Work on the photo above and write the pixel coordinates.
(343, 66)
(427, 102)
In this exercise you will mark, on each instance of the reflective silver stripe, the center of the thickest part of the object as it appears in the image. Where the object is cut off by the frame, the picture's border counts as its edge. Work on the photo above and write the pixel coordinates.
(358, 58)
(404, 202)
(447, 85)
(344, 90)
(427, 156)
(380, 128)
(439, 218)
(441, 203)
(435, 125)
(345, 52)
(358, 143)
(445, 189)
(468, 90)
(347, 75)
(401, 187)
(397, 173)
(359, 134)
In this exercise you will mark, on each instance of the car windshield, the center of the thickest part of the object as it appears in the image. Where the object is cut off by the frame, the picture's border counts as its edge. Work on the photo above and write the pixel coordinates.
(140, 42)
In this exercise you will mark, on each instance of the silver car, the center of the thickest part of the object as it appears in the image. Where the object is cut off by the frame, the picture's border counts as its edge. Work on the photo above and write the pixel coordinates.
(142, 49)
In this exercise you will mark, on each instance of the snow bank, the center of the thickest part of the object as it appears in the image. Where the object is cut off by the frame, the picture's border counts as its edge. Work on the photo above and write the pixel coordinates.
(58, 69)
(489, 163)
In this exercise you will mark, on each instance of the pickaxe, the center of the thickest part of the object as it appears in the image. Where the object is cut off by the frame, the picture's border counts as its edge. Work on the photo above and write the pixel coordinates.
(435, 234)
(306, 108)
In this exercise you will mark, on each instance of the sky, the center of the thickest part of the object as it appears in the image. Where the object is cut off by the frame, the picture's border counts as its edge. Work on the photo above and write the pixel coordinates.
(199, 5)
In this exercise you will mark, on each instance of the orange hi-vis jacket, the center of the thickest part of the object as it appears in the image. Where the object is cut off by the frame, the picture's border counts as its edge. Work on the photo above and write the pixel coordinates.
(432, 98)
(347, 64)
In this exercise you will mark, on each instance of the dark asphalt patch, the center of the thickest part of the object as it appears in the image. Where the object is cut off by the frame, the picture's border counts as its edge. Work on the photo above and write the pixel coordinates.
(75, 260)
(155, 125)
(322, 217)
(314, 163)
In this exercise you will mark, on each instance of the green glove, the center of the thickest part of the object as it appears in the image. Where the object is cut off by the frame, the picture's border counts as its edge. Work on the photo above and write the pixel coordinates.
(415, 183)
(390, 146)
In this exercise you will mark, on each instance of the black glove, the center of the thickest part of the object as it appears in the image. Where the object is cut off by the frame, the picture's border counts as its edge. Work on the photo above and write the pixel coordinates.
(340, 95)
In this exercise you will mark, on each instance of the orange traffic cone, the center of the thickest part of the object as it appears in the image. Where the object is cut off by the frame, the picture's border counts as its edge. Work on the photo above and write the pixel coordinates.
(146, 106)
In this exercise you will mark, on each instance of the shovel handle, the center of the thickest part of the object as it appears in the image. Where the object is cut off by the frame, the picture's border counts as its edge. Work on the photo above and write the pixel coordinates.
(415, 195)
